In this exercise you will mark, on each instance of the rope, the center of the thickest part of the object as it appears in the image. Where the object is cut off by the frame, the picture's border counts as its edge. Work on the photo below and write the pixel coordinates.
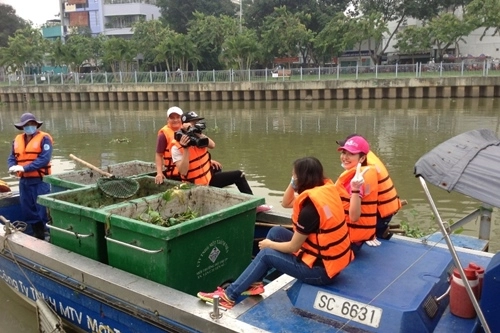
(11, 228)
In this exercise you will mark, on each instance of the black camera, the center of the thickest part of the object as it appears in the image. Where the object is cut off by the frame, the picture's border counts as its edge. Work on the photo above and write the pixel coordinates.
(192, 132)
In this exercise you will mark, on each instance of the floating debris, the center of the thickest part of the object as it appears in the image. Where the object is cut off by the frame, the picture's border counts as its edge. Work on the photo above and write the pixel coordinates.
(122, 140)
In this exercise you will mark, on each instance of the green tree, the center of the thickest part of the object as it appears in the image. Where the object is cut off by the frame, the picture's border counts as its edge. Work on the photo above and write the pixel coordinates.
(320, 11)
(177, 51)
(241, 50)
(9, 23)
(486, 14)
(147, 35)
(209, 32)
(118, 54)
(332, 41)
(412, 40)
(399, 11)
(446, 30)
(25, 49)
(284, 34)
(77, 50)
(177, 13)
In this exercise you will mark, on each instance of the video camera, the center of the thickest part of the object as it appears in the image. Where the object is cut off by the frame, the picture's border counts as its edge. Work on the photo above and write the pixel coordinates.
(192, 132)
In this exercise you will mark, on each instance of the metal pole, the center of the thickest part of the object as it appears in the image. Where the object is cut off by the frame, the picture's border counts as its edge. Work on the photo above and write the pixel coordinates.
(456, 260)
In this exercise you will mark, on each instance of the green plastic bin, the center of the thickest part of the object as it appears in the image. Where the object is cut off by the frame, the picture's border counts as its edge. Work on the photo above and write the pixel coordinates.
(199, 254)
(80, 178)
(74, 226)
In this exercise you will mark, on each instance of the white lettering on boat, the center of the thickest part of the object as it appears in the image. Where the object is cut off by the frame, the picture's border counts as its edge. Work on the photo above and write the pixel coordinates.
(63, 310)
(349, 309)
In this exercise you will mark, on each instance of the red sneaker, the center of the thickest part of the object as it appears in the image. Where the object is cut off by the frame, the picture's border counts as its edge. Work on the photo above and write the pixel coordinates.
(224, 301)
(256, 288)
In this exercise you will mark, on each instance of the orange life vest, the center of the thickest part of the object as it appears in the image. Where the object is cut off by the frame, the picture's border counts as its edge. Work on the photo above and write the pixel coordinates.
(331, 243)
(170, 168)
(364, 228)
(27, 153)
(388, 199)
(199, 165)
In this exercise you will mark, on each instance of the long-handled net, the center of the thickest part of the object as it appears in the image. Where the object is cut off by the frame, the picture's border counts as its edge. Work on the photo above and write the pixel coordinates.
(116, 187)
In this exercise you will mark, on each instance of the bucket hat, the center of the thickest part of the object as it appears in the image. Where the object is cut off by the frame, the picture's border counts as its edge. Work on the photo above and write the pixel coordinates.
(25, 118)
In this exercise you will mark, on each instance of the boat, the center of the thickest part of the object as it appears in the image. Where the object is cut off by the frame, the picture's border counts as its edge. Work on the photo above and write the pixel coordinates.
(403, 285)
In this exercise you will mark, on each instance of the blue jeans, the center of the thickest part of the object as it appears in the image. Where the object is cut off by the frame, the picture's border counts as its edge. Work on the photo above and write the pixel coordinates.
(286, 263)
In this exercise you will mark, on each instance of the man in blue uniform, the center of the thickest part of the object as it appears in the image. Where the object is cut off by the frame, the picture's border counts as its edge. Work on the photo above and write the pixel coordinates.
(30, 161)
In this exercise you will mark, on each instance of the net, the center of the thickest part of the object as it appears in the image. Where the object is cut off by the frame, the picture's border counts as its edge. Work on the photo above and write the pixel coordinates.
(118, 187)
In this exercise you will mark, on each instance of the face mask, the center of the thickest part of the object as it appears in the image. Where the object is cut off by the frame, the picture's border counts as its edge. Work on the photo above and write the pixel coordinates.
(293, 183)
(29, 130)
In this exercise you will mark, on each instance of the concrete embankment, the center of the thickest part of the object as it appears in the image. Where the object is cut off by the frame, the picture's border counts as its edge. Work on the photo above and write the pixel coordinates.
(445, 87)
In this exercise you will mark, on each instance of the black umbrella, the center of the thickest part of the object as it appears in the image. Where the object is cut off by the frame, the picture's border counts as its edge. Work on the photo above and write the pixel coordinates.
(468, 163)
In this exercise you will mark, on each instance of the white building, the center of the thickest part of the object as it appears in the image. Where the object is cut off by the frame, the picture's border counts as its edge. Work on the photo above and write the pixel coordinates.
(108, 17)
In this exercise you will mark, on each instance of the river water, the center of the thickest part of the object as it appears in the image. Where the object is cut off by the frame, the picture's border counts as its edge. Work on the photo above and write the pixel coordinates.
(263, 139)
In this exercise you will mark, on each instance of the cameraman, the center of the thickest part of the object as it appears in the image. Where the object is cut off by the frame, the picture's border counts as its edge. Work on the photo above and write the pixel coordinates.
(194, 162)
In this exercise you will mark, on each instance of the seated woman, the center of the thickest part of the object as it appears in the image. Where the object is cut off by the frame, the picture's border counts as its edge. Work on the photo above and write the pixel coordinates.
(315, 251)
(358, 189)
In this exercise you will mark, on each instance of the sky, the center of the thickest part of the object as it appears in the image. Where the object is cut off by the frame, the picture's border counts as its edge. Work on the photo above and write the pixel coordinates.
(37, 11)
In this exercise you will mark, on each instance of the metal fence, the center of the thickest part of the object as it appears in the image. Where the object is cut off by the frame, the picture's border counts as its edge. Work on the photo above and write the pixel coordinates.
(419, 70)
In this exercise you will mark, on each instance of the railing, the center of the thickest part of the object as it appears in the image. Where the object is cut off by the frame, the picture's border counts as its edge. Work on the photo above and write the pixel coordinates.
(418, 70)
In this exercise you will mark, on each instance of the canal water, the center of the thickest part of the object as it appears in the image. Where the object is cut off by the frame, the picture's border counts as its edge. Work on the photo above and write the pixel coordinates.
(263, 139)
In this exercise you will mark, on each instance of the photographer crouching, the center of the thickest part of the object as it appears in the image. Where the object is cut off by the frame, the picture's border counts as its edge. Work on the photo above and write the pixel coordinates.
(192, 158)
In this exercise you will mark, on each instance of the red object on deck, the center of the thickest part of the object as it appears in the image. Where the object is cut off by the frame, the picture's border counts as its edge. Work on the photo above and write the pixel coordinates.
(460, 303)
(480, 277)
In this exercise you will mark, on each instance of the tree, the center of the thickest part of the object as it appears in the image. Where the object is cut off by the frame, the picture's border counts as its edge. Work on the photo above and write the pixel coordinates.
(209, 32)
(118, 54)
(177, 13)
(399, 11)
(447, 30)
(240, 51)
(486, 14)
(332, 41)
(148, 35)
(284, 35)
(412, 40)
(26, 48)
(320, 11)
(9, 23)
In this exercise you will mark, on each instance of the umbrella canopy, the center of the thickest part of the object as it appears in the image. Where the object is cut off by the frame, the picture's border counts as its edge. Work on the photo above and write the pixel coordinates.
(468, 163)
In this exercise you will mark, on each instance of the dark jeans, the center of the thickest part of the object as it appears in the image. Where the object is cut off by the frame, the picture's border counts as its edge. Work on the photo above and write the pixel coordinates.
(226, 178)
(382, 224)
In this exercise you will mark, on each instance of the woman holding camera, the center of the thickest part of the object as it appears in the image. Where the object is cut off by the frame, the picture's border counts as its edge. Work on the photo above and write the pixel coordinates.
(192, 158)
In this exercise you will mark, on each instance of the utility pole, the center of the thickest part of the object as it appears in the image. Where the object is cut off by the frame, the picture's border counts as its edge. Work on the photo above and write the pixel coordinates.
(241, 13)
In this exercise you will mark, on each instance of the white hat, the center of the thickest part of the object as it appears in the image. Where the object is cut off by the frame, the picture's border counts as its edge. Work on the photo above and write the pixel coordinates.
(174, 109)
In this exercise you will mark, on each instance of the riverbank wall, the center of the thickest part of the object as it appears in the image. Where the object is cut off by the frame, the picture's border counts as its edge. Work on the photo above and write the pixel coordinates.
(445, 87)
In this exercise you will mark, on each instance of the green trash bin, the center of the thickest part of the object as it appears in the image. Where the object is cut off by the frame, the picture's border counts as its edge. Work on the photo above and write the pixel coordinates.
(199, 254)
(72, 212)
(80, 178)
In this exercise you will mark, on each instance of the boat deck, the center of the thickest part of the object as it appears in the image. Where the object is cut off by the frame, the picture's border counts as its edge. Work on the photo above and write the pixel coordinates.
(397, 294)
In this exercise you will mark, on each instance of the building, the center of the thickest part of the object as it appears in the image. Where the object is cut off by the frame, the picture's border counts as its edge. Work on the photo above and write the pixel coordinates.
(108, 17)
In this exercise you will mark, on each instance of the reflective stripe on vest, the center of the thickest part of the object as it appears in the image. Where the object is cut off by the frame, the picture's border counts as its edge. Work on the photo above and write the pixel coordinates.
(331, 243)
(170, 168)
(364, 228)
(199, 165)
(26, 153)
(388, 199)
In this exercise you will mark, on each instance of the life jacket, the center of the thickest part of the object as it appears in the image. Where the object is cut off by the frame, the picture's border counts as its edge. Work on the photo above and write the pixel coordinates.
(388, 199)
(364, 228)
(331, 242)
(199, 165)
(170, 168)
(26, 153)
